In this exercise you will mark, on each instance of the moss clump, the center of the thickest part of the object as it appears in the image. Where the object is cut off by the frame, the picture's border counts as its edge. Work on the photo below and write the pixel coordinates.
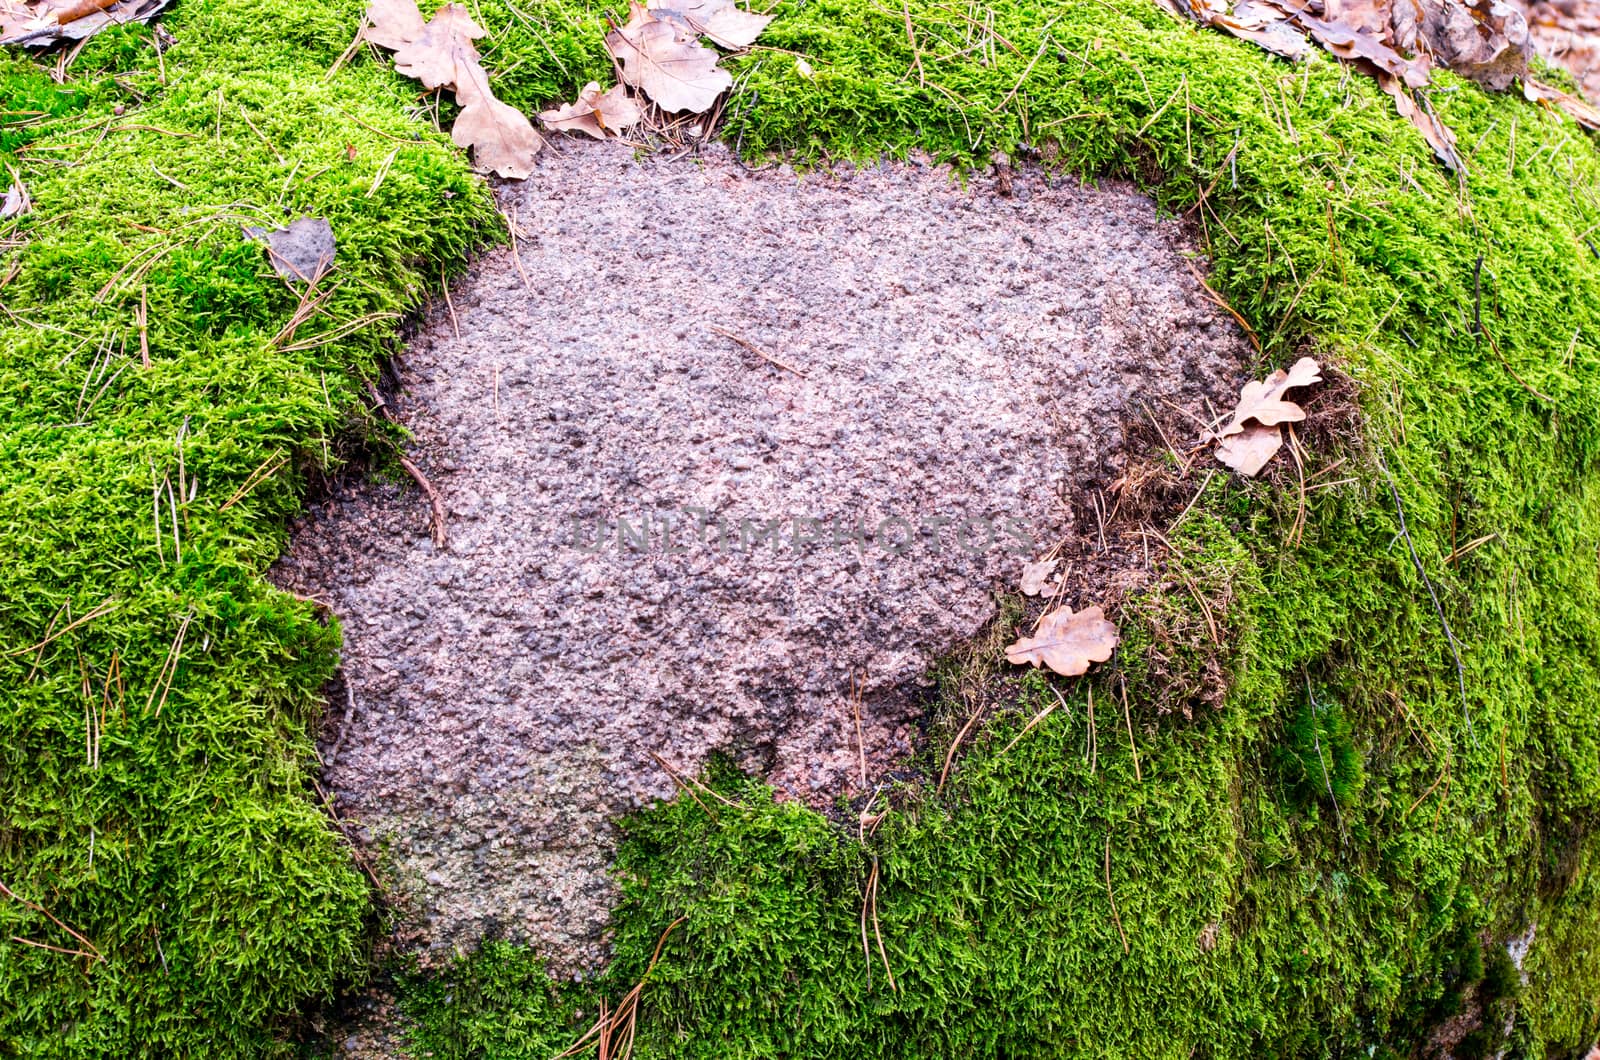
(1318, 755)
(157, 794)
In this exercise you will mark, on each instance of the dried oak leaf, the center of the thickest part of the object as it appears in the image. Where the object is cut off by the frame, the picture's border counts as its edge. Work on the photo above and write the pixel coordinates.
(1264, 402)
(1250, 450)
(1370, 15)
(1036, 576)
(1265, 25)
(440, 54)
(1348, 42)
(1439, 136)
(501, 136)
(1576, 109)
(393, 24)
(13, 17)
(47, 23)
(1067, 641)
(718, 20)
(595, 113)
(1485, 40)
(666, 61)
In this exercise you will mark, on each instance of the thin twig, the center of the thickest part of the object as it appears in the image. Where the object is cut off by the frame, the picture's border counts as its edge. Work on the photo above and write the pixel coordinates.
(1455, 649)
(1115, 917)
(1036, 720)
(169, 668)
(872, 891)
(1479, 329)
(258, 476)
(9, 893)
(433, 499)
(683, 785)
(753, 348)
(950, 755)
(911, 39)
(68, 628)
(1127, 718)
(1250, 332)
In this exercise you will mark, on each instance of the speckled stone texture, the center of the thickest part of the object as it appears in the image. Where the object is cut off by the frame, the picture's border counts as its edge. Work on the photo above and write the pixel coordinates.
(927, 352)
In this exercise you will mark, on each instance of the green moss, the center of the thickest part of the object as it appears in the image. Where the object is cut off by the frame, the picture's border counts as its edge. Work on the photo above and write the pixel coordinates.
(188, 849)
(1248, 919)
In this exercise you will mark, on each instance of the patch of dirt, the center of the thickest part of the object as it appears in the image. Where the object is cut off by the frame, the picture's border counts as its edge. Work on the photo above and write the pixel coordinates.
(919, 382)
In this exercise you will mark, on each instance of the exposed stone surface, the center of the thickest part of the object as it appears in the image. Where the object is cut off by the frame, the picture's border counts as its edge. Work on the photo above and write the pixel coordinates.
(946, 353)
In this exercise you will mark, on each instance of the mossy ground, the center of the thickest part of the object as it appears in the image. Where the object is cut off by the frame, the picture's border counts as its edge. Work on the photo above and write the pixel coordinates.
(1262, 916)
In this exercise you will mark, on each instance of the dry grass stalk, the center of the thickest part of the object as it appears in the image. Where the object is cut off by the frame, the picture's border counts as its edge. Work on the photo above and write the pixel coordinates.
(613, 1032)
(1116, 918)
(93, 950)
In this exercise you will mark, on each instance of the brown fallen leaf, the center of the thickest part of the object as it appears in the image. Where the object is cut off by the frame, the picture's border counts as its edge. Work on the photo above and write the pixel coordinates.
(49, 22)
(1036, 576)
(1399, 42)
(501, 136)
(1348, 43)
(1264, 402)
(1575, 108)
(1266, 25)
(1067, 641)
(666, 61)
(393, 24)
(1485, 40)
(14, 17)
(440, 54)
(1252, 436)
(595, 113)
(1370, 15)
(1250, 450)
(1438, 135)
(717, 20)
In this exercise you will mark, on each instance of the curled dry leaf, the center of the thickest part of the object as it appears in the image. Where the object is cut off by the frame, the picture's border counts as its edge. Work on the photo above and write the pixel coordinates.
(440, 54)
(1067, 641)
(1036, 576)
(1250, 450)
(665, 60)
(1438, 135)
(724, 24)
(1486, 40)
(1397, 41)
(1252, 436)
(47, 22)
(1264, 401)
(595, 113)
(301, 252)
(1575, 108)
(1264, 24)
